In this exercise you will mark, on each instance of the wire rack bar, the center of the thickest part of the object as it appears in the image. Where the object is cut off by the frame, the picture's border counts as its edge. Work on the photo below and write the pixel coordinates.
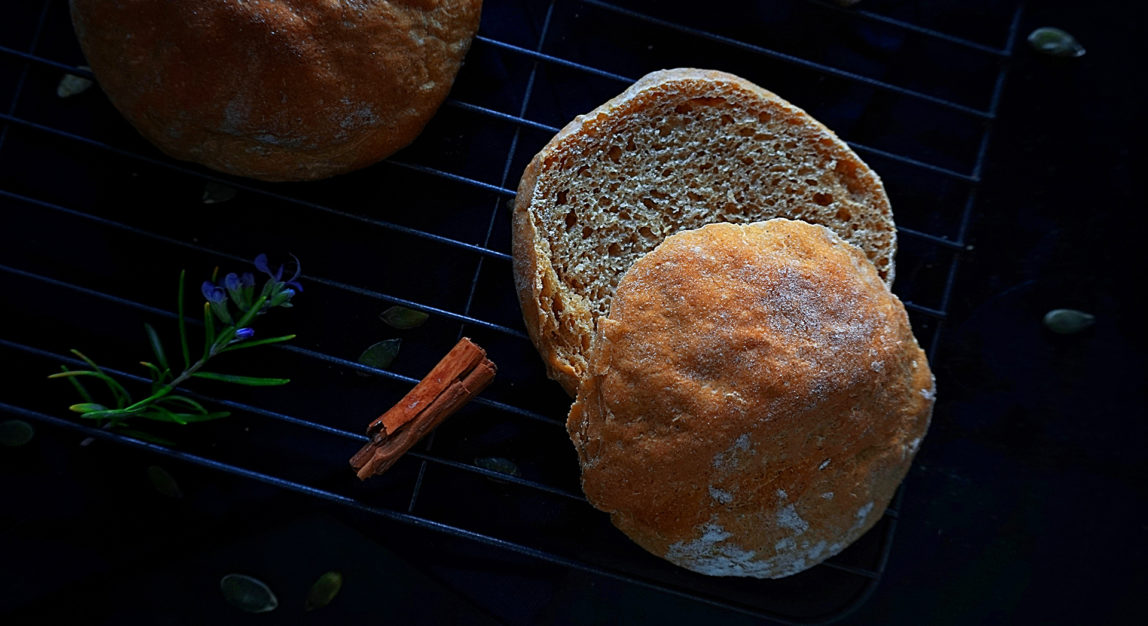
(922, 30)
(296, 421)
(397, 516)
(247, 187)
(499, 192)
(327, 358)
(794, 60)
(552, 60)
(454, 103)
(377, 295)
(24, 70)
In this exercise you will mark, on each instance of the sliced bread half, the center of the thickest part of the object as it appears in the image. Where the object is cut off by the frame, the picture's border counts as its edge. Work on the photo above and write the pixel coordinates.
(677, 150)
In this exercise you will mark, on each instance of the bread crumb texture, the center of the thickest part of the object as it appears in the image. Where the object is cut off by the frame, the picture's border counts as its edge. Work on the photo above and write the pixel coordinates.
(679, 149)
(733, 420)
(277, 89)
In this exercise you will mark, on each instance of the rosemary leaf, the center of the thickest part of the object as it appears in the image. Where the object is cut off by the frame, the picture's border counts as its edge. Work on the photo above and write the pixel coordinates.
(118, 391)
(156, 346)
(251, 381)
(157, 374)
(209, 332)
(112, 414)
(183, 323)
(83, 391)
(87, 407)
(161, 414)
(223, 304)
(123, 398)
(184, 400)
(256, 342)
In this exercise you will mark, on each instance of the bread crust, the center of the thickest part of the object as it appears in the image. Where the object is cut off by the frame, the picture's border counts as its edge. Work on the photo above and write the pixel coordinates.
(559, 312)
(754, 399)
(283, 90)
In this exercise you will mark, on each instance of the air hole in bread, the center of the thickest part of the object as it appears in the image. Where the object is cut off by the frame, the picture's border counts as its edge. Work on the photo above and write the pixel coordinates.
(825, 199)
(650, 204)
(764, 118)
(725, 119)
(615, 153)
(562, 195)
(571, 219)
(586, 232)
(695, 103)
(614, 249)
(646, 232)
(843, 213)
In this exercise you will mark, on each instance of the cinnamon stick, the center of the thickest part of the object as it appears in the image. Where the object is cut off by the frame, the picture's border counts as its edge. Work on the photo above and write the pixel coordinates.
(459, 376)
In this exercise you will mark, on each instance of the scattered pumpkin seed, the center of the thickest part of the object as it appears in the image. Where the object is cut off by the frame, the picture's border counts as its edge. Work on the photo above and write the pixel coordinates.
(214, 192)
(72, 85)
(1055, 42)
(247, 594)
(1068, 321)
(381, 354)
(163, 482)
(14, 433)
(324, 590)
(497, 464)
(402, 318)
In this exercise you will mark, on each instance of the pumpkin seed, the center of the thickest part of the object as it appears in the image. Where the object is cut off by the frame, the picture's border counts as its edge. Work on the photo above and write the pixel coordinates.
(1055, 42)
(1068, 321)
(247, 594)
(324, 590)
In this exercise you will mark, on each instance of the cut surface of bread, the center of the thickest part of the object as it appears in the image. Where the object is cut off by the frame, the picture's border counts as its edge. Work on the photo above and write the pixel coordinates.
(754, 398)
(677, 150)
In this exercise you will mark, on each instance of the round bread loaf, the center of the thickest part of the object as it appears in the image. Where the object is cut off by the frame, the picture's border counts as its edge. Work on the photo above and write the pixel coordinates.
(755, 397)
(677, 150)
(277, 90)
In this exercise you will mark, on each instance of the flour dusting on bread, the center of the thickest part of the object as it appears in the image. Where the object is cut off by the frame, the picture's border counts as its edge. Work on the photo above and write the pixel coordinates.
(804, 458)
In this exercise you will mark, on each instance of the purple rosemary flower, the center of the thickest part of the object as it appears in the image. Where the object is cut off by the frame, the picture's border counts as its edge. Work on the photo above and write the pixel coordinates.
(213, 293)
(278, 291)
(240, 288)
(243, 334)
(217, 297)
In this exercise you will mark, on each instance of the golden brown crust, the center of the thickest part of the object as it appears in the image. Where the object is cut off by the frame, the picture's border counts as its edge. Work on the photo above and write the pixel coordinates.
(754, 399)
(569, 257)
(283, 90)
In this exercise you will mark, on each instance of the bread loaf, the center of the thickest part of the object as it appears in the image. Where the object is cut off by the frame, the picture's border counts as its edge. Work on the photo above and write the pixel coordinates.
(677, 150)
(753, 399)
(276, 90)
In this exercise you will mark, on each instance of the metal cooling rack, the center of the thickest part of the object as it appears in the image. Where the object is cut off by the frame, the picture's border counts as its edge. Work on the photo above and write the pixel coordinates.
(96, 223)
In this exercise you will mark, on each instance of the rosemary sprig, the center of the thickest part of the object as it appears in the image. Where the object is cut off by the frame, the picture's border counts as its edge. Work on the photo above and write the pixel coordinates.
(234, 305)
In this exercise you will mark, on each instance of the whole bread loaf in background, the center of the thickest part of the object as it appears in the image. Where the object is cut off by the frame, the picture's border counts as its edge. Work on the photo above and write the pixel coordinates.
(276, 90)
(677, 150)
(753, 399)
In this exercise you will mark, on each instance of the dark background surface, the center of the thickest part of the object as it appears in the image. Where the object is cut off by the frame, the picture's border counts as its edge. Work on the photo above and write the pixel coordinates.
(1025, 504)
